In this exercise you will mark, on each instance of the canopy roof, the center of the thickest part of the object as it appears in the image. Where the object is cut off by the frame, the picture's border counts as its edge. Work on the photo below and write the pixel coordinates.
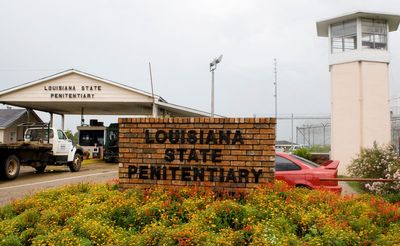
(76, 92)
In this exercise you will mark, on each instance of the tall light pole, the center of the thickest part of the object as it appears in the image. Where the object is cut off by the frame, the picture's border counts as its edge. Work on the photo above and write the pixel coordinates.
(276, 89)
(213, 66)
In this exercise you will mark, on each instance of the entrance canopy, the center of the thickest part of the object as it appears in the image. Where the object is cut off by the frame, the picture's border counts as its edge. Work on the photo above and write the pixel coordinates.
(75, 92)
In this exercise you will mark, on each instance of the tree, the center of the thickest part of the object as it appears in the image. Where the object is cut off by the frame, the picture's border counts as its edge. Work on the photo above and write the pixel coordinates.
(70, 135)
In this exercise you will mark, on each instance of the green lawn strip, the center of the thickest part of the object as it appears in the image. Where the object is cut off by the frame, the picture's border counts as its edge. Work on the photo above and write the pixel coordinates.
(354, 184)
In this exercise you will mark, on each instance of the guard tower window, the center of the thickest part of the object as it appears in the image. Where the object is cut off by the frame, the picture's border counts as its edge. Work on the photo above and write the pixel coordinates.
(344, 36)
(374, 34)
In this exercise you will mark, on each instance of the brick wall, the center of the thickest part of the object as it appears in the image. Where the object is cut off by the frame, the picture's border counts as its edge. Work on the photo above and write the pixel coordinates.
(220, 153)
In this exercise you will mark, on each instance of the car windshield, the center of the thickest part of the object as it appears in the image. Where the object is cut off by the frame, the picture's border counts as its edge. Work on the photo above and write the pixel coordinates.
(305, 161)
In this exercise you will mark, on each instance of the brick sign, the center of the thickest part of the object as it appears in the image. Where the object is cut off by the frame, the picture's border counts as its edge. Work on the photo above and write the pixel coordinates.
(220, 153)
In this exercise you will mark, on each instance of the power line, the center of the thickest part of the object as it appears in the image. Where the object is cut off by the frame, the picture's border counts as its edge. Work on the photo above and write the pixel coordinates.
(26, 70)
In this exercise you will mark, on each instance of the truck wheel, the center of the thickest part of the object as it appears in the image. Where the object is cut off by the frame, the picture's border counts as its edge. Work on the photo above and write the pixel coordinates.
(40, 169)
(75, 165)
(11, 167)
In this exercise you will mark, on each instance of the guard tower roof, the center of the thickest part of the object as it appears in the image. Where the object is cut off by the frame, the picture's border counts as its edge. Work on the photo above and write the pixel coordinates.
(392, 20)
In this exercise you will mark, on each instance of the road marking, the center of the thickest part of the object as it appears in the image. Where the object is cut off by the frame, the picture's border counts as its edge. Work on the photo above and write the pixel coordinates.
(55, 180)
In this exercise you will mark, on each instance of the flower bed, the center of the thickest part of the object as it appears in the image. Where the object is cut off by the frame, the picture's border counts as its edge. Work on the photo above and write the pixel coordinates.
(275, 214)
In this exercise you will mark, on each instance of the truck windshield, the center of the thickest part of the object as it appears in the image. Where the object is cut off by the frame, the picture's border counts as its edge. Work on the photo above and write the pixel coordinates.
(39, 134)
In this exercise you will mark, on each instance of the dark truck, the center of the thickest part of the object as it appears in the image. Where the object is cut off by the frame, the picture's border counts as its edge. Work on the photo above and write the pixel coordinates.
(42, 145)
(111, 149)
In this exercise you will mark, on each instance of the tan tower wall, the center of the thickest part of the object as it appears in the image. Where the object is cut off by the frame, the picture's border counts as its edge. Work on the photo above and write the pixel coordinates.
(360, 108)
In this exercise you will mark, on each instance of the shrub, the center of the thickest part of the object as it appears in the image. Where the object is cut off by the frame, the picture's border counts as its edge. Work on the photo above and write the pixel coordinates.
(320, 148)
(10, 240)
(225, 214)
(125, 217)
(7, 212)
(377, 162)
(303, 152)
(276, 231)
(63, 237)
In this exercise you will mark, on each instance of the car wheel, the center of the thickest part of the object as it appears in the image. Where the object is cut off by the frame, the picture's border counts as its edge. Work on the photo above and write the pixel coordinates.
(11, 167)
(76, 163)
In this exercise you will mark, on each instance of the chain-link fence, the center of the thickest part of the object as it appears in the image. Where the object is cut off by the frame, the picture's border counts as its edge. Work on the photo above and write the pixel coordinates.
(312, 131)
(314, 134)
(304, 129)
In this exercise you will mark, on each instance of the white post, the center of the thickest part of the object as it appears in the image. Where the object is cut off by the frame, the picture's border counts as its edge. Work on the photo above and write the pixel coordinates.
(62, 122)
(291, 127)
(212, 93)
(155, 110)
(51, 119)
(276, 90)
(82, 119)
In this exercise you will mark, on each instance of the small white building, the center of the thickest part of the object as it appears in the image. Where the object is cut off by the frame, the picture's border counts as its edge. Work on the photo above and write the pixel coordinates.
(92, 138)
(9, 121)
(285, 146)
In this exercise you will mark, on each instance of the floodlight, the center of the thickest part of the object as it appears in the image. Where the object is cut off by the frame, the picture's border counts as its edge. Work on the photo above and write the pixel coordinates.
(218, 60)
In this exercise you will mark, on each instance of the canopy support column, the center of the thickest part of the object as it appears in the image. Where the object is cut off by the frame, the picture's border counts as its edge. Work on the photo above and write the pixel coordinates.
(62, 121)
(82, 119)
(51, 119)
(155, 110)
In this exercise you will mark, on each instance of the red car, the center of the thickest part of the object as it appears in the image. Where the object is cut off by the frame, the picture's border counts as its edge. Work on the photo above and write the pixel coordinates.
(300, 172)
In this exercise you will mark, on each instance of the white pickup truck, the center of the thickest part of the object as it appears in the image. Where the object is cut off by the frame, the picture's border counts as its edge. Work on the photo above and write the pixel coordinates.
(42, 146)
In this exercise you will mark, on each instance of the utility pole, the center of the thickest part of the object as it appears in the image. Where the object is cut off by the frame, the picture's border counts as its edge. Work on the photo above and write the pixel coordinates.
(151, 81)
(276, 89)
(154, 108)
(291, 128)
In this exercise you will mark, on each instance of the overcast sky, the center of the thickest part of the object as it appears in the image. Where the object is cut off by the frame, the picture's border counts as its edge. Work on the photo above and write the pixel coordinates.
(116, 40)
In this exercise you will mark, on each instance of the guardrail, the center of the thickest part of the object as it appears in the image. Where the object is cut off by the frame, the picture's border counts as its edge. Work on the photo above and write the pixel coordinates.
(360, 179)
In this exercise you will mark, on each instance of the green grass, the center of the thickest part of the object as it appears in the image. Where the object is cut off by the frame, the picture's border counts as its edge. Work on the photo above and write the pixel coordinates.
(356, 186)
(353, 184)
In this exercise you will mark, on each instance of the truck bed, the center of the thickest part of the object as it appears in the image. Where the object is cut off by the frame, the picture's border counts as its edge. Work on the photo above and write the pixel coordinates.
(26, 146)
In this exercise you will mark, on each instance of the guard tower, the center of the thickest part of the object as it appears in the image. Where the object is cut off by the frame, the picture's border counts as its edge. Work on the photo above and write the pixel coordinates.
(359, 68)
